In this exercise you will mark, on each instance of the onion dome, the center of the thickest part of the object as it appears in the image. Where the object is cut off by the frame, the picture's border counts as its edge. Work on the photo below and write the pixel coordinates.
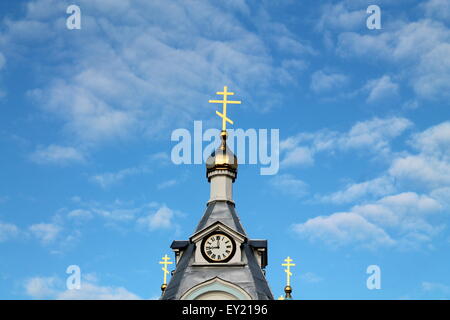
(222, 158)
(288, 291)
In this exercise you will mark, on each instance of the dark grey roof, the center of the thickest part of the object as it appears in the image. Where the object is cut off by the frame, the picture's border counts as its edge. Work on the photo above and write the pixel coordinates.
(258, 243)
(249, 277)
(222, 211)
(179, 244)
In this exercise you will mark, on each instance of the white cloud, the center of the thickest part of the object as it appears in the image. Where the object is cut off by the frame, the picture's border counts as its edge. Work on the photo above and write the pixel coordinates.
(376, 187)
(54, 154)
(117, 214)
(437, 9)
(298, 156)
(322, 82)
(339, 17)
(293, 46)
(410, 203)
(431, 166)
(424, 170)
(161, 219)
(107, 179)
(434, 141)
(401, 220)
(90, 291)
(381, 89)
(149, 216)
(373, 136)
(290, 185)
(45, 232)
(406, 42)
(405, 213)
(294, 64)
(419, 50)
(41, 287)
(124, 79)
(166, 184)
(54, 288)
(343, 228)
(2, 61)
(8, 231)
(442, 195)
(160, 157)
(433, 77)
(410, 219)
(80, 214)
(2, 65)
(435, 286)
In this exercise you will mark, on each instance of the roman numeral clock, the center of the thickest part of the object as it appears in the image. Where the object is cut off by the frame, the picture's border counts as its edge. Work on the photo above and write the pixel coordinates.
(218, 247)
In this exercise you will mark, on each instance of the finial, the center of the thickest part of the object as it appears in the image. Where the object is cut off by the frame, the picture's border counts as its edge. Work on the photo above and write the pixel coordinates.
(165, 262)
(223, 115)
(288, 288)
(223, 138)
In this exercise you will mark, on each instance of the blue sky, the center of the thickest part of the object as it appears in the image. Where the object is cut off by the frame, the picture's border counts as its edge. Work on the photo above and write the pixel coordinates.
(87, 115)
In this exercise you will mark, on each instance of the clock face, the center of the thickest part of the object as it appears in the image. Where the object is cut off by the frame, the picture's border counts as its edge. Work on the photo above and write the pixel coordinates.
(218, 247)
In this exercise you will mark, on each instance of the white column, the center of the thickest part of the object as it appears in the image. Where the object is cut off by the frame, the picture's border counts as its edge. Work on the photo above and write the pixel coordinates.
(221, 185)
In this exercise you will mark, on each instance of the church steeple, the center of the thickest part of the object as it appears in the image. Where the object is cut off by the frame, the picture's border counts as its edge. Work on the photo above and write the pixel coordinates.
(222, 164)
(219, 261)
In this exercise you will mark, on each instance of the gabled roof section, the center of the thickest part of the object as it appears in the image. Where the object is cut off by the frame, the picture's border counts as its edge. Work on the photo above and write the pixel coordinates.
(218, 225)
(222, 211)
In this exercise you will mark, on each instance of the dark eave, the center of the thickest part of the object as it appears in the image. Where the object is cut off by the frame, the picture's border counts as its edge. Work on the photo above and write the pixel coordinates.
(179, 244)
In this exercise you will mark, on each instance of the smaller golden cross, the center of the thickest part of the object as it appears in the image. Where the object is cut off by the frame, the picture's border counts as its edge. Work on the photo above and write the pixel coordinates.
(288, 266)
(224, 102)
(165, 262)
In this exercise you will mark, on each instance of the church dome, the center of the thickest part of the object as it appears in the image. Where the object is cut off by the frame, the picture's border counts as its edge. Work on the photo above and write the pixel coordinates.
(222, 158)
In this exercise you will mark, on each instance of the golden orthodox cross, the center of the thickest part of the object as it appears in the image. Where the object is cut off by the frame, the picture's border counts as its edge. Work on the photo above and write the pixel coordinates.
(165, 262)
(288, 266)
(224, 102)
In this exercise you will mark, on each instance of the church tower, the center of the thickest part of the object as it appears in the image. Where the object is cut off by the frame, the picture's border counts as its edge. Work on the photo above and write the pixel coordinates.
(219, 261)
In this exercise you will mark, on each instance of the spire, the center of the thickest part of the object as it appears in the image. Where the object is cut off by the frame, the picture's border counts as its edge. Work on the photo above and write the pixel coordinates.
(222, 164)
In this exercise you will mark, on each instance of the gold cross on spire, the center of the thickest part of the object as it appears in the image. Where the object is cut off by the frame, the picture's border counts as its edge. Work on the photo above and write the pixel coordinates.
(165, 262)
(224, 102)
(288, 266)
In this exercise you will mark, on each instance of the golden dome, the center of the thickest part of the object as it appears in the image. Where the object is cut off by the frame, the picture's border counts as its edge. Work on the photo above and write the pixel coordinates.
(222, 158)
